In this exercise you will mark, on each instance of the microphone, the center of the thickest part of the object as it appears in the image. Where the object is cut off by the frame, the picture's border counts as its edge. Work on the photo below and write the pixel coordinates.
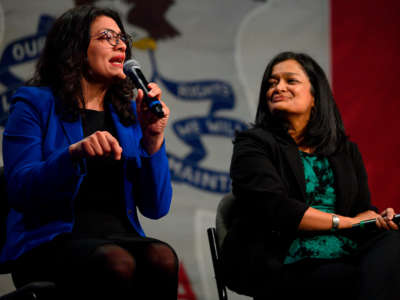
(133, 71)
(371, 223)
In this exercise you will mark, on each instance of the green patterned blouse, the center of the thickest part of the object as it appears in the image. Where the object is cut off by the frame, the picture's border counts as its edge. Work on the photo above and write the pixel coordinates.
(320, 194)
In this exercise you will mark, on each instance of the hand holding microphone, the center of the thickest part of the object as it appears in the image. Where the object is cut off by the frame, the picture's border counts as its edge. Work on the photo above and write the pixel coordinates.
(152, 112)
(388, 220)
(133, 70)
(370, 224)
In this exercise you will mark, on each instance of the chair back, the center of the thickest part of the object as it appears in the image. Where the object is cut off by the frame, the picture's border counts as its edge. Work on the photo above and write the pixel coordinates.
(224, 217)
(227, 211)
(216, 236)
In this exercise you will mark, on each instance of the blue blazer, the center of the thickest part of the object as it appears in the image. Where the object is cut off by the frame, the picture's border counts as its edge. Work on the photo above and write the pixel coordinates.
(42, 180)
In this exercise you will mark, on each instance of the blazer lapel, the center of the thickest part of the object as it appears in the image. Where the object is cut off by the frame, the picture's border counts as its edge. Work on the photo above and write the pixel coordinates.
(293, 158)
(126, 137)
(73, 130)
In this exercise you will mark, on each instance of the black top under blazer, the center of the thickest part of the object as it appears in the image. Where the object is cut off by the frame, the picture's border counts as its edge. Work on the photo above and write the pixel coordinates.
(269, 188)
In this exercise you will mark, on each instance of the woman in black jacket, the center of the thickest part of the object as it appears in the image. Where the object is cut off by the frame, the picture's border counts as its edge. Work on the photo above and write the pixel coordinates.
(298, 181)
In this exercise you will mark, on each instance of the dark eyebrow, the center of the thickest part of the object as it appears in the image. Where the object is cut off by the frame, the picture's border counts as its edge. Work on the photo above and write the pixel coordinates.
(286, 74)
(109, 29)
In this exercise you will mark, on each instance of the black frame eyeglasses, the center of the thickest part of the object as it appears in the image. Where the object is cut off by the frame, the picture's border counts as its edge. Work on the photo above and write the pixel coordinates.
(114, 38)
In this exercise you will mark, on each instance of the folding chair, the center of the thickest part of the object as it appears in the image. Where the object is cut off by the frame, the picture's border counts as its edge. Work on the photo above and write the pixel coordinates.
(216, 236)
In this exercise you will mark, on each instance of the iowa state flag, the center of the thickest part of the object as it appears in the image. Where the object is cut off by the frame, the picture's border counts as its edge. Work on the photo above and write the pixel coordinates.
(208, 57)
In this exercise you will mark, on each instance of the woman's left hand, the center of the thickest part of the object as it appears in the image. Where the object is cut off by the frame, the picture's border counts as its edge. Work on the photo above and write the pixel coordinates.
(384, 220)
(152, 126)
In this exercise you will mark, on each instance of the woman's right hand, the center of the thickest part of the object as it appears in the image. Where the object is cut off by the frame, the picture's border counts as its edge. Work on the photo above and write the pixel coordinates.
(383, 220)
(100, 143)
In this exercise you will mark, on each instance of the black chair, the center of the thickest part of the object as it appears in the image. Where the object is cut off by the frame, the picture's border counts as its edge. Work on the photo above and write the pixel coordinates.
(216, 237)
(32, 291)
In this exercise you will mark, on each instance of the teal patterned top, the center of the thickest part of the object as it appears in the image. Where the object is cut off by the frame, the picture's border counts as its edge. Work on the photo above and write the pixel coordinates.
(320, 194)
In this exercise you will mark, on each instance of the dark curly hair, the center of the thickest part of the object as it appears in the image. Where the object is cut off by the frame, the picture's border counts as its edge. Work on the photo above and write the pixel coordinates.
(63, 62)
(325, 130)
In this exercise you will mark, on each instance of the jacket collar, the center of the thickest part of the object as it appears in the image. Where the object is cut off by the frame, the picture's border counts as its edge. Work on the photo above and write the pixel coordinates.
(293, 158)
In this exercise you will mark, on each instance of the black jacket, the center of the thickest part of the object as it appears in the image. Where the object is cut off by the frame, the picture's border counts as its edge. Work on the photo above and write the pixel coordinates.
(269, 186)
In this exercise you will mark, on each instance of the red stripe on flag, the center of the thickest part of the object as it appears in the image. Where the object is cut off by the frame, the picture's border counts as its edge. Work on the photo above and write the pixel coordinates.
(185, 291)
(365, 41)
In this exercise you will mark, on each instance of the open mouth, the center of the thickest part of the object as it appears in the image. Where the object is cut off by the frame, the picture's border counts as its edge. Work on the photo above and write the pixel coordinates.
(117, 61)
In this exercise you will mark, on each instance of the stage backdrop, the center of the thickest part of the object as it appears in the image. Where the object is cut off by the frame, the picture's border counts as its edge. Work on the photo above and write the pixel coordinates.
(208, 56)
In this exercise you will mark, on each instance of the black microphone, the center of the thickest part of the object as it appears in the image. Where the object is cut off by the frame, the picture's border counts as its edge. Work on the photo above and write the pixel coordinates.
(371, 223)
(133, 71)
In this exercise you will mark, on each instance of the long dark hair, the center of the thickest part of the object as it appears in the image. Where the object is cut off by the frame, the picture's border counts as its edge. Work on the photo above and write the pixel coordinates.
(63, 62)
(324, 131)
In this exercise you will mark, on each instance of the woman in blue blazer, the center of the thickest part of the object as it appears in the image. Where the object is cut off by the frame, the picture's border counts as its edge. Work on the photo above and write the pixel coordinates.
(80, 157)
(300, 185)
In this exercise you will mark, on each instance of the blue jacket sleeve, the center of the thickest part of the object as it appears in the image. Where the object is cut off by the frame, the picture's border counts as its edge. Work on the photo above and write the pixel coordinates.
(155, 181)
(36, 182)
(147, 177)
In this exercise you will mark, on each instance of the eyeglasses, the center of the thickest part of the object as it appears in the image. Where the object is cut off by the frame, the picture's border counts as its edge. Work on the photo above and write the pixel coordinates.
(114, 38)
